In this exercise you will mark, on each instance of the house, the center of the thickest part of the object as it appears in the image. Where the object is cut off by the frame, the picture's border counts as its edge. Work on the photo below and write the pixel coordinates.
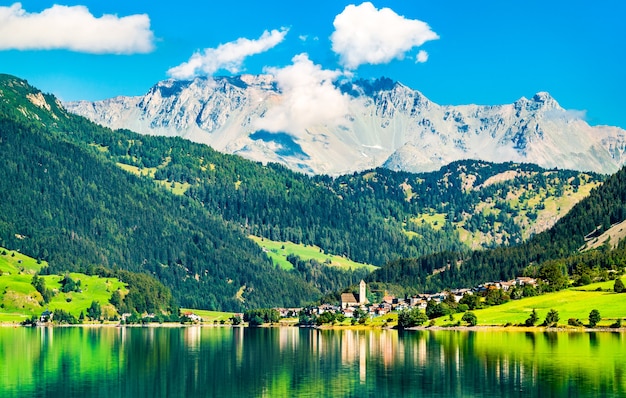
(525, 280)
(191, 316)
(46, 316)
(382, 309)
(288, 312)
(325, 308)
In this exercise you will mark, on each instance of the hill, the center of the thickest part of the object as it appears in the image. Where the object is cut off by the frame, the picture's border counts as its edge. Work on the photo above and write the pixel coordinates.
(19, 300)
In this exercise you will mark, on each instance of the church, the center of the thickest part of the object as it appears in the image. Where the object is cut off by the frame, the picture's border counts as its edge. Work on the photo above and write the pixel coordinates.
(353, 300)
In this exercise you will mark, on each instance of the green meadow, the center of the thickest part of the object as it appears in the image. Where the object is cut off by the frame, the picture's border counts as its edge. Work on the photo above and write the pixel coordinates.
(570, 303)
(19, 300)
(209, 316)
(278, 252)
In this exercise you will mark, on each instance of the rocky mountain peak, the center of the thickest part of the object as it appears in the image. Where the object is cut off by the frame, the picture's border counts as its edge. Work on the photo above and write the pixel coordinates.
(389, 124)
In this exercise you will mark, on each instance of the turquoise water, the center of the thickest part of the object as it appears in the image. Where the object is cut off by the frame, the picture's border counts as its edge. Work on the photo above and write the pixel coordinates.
(292, 362)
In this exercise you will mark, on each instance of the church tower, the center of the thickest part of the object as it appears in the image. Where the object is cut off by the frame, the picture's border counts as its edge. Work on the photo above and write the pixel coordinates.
(362, 294)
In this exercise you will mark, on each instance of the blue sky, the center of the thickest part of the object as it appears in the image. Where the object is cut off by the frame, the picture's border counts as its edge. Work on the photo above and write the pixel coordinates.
(454, 52)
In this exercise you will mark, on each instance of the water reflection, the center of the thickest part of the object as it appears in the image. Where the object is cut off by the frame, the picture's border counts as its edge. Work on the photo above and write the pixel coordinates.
(222, 361)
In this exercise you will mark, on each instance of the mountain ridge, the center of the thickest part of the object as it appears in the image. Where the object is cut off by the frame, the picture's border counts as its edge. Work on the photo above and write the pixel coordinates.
(387, 125)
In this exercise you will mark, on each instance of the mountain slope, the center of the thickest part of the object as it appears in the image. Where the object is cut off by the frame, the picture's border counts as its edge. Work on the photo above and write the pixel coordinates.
(603, 208)
(388, 125)
(66, 203)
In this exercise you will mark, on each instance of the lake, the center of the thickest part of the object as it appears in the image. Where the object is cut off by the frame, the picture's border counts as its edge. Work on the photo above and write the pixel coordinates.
(292, 362)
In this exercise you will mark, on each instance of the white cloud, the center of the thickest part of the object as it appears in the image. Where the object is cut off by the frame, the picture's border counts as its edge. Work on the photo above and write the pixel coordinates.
(74, 28)
(422, 57)
(366, 35)
(566, 114)
(308, 99)
(229, 56)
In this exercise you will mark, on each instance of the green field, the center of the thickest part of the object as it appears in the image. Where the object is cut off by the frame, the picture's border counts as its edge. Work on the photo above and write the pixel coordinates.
(19, 300)
(435, 220)
(210, 316)
(570, 303)
(177, 188)
(278, 252)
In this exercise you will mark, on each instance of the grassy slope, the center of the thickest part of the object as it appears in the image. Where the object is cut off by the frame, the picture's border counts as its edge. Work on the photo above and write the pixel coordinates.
(278, 252)
(570, 303)
(209, 316)
(19, 299)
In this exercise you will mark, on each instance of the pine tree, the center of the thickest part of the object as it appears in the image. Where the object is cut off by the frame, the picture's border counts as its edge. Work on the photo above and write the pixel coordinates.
(618, 287)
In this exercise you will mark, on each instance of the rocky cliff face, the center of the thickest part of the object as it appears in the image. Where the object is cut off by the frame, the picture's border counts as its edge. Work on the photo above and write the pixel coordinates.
(388, 125)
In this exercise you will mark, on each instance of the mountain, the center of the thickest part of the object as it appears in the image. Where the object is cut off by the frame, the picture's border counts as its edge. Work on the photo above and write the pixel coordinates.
(79, 196)
(387, 125)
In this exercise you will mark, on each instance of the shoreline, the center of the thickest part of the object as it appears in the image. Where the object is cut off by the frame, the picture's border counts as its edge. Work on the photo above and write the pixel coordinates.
(478, 328)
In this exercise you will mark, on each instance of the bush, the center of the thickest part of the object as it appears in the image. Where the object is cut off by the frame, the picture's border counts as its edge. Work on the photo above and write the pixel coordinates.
(411, 318)
(551, 318)
(30, 322)
(470, 318)
(62, 316)
(617, 324)
(574, 322)
(532, 319)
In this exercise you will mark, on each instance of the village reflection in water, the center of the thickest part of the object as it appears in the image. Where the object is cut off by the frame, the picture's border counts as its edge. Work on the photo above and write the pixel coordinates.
(290, 361)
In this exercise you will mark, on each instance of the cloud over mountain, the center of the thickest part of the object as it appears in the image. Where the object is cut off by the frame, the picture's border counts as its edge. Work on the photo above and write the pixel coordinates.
(367, 35)
(228, 56)
(74, 28)
(309, 98)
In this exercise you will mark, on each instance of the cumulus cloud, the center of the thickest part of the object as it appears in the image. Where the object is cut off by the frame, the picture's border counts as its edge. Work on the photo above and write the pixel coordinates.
(422, 57)
(308, 99)
(566, 114)
(228, 56)
(366, 35)
(74, 28)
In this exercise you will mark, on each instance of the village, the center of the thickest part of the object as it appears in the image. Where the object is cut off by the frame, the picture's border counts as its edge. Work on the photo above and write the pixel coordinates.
(353, 303)
(357, 305)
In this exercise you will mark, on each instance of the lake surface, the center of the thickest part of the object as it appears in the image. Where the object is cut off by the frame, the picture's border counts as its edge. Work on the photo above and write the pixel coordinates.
(292, 362)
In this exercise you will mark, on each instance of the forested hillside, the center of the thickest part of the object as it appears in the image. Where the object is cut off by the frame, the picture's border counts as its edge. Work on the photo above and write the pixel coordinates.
(560, 245)
(79, 195)
(372, 217)
(66, 203)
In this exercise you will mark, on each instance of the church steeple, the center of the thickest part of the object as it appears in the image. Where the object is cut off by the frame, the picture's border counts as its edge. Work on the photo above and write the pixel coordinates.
(362, 294)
